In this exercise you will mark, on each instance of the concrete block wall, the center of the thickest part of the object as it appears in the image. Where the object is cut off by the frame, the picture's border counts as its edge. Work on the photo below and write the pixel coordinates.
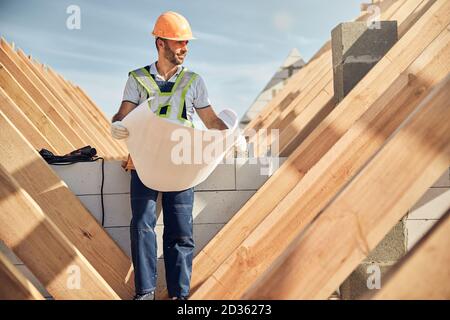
(416, 223)
(356, 48)
(217, 199)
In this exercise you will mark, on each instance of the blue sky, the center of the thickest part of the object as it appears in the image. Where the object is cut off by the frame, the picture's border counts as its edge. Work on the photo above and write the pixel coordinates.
(239, 46)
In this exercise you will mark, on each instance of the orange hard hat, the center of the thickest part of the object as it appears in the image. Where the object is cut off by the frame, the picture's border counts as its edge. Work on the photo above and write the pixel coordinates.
(173, 26)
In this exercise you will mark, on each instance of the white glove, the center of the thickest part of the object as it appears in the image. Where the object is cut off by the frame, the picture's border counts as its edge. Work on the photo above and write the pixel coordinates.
(119, 131)
(241, 144)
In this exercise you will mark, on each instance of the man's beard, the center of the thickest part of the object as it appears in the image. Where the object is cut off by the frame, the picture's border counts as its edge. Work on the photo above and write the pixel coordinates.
(172, 57)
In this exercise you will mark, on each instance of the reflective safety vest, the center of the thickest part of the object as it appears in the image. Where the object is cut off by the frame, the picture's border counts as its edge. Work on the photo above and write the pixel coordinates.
(170, 105)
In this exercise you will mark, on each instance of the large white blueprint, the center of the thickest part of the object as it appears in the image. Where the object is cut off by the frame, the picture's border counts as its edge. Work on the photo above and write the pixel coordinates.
(171, 157)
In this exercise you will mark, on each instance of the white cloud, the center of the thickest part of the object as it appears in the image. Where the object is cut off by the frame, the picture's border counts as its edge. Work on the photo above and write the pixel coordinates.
(283, 21)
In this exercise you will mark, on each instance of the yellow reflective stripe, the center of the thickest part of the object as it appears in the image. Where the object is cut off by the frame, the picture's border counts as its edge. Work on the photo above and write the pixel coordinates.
(150, 78)
(142, 83)
(177, 82)
(183, 98)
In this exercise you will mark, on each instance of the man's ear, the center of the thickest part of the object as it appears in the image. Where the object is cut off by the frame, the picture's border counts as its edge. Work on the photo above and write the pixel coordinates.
(157, 43)
(162, 43)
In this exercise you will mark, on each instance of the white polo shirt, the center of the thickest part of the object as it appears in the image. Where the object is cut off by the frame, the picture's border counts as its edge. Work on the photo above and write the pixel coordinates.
(196, 96)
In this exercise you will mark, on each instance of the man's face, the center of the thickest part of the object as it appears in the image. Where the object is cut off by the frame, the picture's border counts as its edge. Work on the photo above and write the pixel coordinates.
(175, 51)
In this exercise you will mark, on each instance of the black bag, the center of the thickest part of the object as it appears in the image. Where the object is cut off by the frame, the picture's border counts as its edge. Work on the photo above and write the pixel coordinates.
(85, 154)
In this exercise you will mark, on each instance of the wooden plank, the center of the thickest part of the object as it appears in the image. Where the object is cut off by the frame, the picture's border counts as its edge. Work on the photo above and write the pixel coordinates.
(36, 115)
(90, 124)
(14, 284)
(73, 109)
(296, 84)
(367, 209)
(101, 114)
(64, 208)
(42, 87)
(101, 118)
(22, 123)
(313, 148)
(310, 87)
(420, 7)
(53, 113)
(74, 118)
(423, 273)
(315, 102)
(38, 242)
(336, 168)
(387, 9)
(319, 108)
(293, 133)
(104, 132)
(289, 135)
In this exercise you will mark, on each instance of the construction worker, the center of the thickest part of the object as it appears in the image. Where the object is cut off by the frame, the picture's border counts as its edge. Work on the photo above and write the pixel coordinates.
(187, 91)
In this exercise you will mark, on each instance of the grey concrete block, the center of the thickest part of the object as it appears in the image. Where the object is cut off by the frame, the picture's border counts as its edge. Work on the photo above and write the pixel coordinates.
(346, 77)
(432, 205)
(356, 285)
(121, 235)
(355, 39)
(222, 178)
(250, 174)
(117, 208)
(392, 247)
(356, 49)
(86, 177)
(217, 206)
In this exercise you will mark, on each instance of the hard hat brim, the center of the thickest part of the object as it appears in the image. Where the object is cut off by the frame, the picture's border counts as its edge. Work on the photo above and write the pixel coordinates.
(175, 39)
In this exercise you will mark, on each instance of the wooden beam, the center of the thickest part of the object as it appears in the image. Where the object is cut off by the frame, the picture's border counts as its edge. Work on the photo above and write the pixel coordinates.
(295, 85)
(59, 101)
(22, 123)
(29, 84)
(290, 132)
(101, 118)
(66, 211)
(14, 284)
(104, 147)
(318, 143)
(387, 9)
(27, 69)
(424, 272)
(74, 110)
(336, 168)
(293, 110)
(90, 111)
(347, 230)
(36, 115)
(38, 242)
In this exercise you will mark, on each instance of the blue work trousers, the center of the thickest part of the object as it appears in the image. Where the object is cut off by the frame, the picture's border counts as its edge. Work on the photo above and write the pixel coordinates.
(178, 241)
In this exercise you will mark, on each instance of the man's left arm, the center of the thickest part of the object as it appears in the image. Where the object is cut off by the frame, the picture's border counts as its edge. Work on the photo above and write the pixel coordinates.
(210, 118)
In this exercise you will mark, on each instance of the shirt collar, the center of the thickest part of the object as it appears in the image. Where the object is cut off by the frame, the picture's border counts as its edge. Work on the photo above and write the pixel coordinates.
(154, 70)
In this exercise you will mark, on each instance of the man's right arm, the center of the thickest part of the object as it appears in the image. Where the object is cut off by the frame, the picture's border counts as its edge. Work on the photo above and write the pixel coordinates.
(130, 99)
(124, 109)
